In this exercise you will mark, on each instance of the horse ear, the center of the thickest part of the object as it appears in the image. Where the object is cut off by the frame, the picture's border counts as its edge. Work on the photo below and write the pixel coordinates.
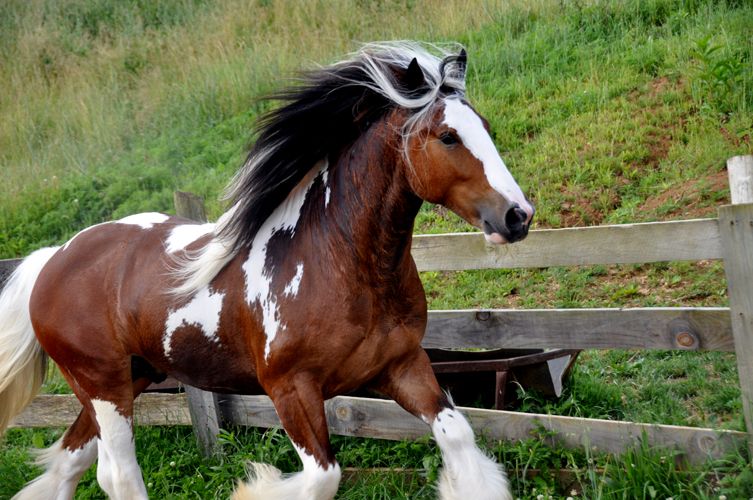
(414, 76)
(456, 65)
(462, 60)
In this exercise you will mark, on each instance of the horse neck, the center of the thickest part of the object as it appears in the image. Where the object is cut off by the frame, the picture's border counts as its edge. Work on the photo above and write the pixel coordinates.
(374, 208)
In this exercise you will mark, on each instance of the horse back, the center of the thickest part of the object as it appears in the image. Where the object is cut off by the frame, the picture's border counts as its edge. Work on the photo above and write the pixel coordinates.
(105, 296)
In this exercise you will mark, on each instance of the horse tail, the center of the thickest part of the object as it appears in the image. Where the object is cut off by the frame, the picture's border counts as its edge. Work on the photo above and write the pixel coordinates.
(23, 363)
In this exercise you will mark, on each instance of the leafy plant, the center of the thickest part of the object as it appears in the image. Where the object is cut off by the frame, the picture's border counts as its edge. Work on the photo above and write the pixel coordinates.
(718, 73)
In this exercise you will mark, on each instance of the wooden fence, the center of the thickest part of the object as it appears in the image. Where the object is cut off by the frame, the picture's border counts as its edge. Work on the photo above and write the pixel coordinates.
(728, 237)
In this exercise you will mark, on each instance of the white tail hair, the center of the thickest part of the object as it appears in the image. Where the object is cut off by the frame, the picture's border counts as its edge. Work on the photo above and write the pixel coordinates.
(22, 361)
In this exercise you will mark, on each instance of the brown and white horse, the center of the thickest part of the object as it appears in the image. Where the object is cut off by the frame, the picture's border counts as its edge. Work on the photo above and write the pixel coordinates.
(305, 288)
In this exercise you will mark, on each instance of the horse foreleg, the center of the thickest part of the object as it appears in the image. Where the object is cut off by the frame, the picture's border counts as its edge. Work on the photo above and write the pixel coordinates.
(301, 410)
(468, 473)
(118, 473)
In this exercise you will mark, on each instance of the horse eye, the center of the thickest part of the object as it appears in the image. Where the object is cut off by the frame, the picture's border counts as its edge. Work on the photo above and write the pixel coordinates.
(449, 139)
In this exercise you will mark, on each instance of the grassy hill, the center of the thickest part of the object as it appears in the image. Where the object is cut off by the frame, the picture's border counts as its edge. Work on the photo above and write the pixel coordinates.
(605, 112)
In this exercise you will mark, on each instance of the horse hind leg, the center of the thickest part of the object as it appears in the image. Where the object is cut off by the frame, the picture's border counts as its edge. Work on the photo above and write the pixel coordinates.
(107, 395)
(467, 473)
(70, 457)
(302, 415)
(64, 462)
(118, 472)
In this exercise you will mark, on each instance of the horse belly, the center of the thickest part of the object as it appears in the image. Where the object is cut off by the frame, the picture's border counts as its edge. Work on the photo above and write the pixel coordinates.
(208, 365)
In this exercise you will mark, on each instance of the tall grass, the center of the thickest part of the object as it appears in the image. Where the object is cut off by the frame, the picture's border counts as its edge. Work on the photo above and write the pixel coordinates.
(83, 79)
(127, 101)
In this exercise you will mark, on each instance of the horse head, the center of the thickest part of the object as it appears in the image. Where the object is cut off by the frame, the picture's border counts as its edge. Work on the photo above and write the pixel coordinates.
(453, 161)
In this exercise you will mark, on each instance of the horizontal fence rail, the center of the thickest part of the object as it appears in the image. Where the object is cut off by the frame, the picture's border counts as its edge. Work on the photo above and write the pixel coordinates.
(618, 244)
(6, 268)
(685, 328)
(352, 416)
(59, 410)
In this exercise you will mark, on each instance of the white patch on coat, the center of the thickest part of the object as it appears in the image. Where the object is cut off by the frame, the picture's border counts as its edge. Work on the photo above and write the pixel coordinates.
(327, 188)
(258, 275)
(63, 470)
(467, 472)
(144, 221)
(118, 473)
(185, 234)
(317, 482)
(470, 129)
(291, 289)
(203, 311)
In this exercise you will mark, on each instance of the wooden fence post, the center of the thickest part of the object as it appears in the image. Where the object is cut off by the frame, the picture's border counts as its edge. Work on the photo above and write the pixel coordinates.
(736, 231)
(202, 405)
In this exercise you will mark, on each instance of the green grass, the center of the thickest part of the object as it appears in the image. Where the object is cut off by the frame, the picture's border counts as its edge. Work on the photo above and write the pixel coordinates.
(606, 112)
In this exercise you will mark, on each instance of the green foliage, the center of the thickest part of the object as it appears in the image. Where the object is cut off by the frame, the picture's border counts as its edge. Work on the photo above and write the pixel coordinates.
(720, 75)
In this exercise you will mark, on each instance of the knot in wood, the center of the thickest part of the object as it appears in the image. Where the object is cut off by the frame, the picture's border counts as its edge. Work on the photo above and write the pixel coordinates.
(685, 339)
(483, 315)
(343, 412)
(683, 335)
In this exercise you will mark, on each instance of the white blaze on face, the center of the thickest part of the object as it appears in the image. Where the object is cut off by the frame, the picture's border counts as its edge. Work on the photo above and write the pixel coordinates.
(470, 129)
(203, 311)
(258, 275)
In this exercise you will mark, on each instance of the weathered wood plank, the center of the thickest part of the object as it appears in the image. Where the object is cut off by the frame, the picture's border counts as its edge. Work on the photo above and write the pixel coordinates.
(162, 409)
(6, 268)
(736, 223)
(384, 419)
(684, 328)
(740, 173)
(190, 206)
(59, 410)
(206, 419)
(617, 244)
(628, 244)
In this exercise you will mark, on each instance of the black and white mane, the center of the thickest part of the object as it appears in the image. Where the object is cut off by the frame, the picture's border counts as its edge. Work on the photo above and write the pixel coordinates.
(327, 110)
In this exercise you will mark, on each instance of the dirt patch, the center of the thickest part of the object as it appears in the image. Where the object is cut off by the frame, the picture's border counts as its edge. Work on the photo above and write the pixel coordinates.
(658, 86)
(735, 139)
(654, 88)
(586, 209)
(690, 199)
(658, 148)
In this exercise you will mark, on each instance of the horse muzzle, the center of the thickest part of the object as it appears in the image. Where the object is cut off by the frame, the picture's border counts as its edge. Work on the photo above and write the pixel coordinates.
(511, 227)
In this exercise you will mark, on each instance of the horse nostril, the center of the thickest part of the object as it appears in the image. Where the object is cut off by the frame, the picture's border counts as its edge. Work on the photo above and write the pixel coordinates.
(515, 218)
